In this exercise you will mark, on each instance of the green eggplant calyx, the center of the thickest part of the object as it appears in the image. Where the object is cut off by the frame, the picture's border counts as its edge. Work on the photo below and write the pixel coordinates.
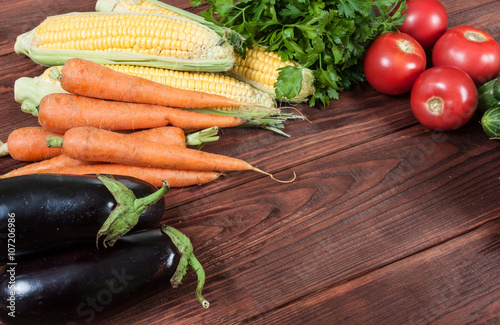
(128, 210)
(187, 259)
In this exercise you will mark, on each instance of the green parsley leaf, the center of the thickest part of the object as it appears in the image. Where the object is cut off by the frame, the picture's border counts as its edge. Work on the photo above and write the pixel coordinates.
(330, 37)
(285, 88)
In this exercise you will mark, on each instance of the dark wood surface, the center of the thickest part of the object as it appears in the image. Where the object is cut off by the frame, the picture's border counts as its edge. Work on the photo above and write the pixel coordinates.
(387, 221)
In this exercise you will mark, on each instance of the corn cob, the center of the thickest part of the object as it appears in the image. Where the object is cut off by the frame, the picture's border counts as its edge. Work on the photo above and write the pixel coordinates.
(28, 91)
(133, 38)
(159, 7)
(260, 69)
(141, 6)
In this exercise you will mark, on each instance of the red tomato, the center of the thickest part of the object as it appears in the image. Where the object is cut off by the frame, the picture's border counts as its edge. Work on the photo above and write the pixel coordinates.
(393, 62)
(426, 21)
(471, 49)
(443, 98)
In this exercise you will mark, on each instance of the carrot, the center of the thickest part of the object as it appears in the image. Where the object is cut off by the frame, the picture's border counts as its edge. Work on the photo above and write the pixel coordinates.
(83, 77)
(46, 165)
(92, 144)
(152, 175)
(167, 135)
(61, 112)
(170, 135)
(28, 144)
(175, 136)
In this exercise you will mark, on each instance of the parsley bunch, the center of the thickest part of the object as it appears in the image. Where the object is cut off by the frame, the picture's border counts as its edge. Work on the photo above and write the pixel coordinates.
(328, 37)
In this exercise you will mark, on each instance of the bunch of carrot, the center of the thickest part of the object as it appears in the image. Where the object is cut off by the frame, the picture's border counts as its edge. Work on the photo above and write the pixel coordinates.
(79, 130)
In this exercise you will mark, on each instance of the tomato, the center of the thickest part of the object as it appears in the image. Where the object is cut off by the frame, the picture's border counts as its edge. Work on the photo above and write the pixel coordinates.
(426, 21)
(393, 62)
(471, 49)
(444, 98)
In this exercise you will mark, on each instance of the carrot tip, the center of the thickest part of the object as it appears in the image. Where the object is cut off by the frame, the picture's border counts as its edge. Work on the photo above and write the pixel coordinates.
(271, 175)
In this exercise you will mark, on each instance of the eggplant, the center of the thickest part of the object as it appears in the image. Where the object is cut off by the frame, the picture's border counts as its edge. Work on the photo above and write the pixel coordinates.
(43, 212)
(89, 284)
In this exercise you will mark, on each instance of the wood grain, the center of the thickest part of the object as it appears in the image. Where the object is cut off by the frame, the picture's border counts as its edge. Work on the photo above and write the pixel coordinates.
(386, 223)
(452, 283)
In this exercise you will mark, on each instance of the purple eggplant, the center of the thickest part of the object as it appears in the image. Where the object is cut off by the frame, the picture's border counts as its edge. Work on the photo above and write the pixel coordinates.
(42, 212)
(87, 285)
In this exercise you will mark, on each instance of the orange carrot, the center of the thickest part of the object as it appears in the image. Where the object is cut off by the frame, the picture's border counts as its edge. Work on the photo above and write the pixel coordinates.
(166, 135)
(46, 165)
(170, 135)
(152, 175)
(92, 144)
(83, 77)
(28, 144)
(60, 112)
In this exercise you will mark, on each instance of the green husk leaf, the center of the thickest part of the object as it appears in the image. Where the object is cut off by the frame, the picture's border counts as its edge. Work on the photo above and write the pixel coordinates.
(29, 92)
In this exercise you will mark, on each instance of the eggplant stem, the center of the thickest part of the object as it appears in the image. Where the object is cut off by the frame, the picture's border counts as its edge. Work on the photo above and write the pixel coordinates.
(200, 273)
(187, 259)
(128, 210)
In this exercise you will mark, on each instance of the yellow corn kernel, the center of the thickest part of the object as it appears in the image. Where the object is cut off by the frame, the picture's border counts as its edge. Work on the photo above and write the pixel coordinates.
(260, 66)
(142, 6)
(260, 69)
(139, 33)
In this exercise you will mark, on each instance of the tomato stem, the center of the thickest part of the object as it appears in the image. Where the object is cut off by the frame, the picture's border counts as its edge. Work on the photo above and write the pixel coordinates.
(406, 46)
(435, 105)
(474, 36)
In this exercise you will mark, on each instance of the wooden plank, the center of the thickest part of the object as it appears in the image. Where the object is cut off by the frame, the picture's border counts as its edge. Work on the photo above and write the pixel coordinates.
(374, 189)
(347, 214)
(457, 283)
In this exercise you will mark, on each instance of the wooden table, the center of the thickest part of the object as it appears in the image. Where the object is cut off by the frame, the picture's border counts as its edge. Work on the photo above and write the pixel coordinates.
(387, 221)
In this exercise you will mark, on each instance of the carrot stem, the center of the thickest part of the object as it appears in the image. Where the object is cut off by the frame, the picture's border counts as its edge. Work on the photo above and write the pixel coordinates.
(201, 137)
(54, 141)
(128, 210)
